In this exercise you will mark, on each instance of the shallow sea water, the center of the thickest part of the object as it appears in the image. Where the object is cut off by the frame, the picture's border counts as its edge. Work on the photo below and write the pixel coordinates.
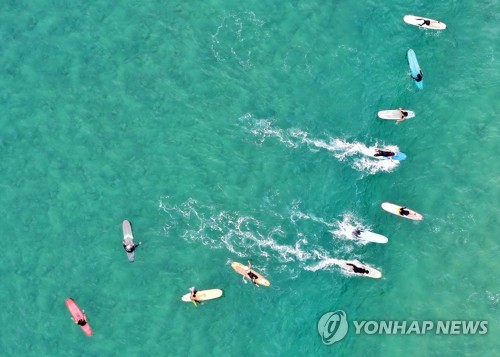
(232, 132)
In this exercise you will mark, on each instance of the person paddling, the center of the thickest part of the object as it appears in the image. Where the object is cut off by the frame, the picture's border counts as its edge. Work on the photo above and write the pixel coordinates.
(130, 247)
(358, 270)
(403, 211)
(420, 76)
(251, 275)
(81, 322)
(384, 153)
(404, 115)
(425, 22)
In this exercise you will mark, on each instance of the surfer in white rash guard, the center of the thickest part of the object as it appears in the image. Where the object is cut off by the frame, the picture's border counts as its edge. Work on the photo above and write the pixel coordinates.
(131, 247)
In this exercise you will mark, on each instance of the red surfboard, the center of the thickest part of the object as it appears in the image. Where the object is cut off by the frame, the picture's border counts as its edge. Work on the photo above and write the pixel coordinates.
(78, 315)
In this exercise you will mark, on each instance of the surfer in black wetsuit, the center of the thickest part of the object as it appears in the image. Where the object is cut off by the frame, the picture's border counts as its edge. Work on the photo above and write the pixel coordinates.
(404, 114)
(356, 232)
(81, 322)
(358, 270)
(384, 153)
(425, 22)
(253, 277)
(420, 76)
(403, 212)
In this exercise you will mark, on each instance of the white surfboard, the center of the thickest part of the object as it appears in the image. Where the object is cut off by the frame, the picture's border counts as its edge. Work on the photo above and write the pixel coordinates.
(128, 239)
(419, 21)
(394, 114)
(372, 237)
(394, 209)
(203, 295)
(368, 271)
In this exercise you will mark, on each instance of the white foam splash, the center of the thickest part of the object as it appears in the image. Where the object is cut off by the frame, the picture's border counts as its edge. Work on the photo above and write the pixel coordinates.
(347, 226)
(323, 264)
(362, 155)
(246, 236)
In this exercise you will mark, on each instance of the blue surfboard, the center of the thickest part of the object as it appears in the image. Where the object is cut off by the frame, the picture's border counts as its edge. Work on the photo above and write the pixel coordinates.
(414, 68)
(399, 156)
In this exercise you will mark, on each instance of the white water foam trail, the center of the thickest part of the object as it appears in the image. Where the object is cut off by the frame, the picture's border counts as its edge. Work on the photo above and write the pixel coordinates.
(362, 160)
(323, 264)
(246, 236)
(241, 235)
(347, 226)
(342, 230)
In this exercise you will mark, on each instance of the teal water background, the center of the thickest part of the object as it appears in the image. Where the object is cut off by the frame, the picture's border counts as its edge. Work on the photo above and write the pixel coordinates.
(232, 131)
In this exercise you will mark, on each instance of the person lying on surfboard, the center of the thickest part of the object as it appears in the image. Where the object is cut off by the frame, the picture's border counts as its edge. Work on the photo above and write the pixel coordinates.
(358, 270)
(356, 232)
(420, 76)
(403, 212)
(193, 295)
(253, 277)
(384, 153)
(81, 322)
(404, 114)
(425, 22)
(131, 247)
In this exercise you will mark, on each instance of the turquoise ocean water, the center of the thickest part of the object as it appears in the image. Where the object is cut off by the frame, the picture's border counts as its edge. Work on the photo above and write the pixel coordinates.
(234, 131)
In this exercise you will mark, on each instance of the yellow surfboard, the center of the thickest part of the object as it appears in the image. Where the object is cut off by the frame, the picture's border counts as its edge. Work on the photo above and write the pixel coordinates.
(394, 209)
(245, 271)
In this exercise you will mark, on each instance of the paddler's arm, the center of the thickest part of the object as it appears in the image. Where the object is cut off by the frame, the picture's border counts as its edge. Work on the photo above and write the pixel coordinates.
(249, 265)
(255, 283)
(137, 245)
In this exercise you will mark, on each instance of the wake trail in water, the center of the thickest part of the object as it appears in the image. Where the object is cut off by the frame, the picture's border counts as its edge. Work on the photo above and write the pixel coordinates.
(356, 154)
(299, 246)
(347, 226)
